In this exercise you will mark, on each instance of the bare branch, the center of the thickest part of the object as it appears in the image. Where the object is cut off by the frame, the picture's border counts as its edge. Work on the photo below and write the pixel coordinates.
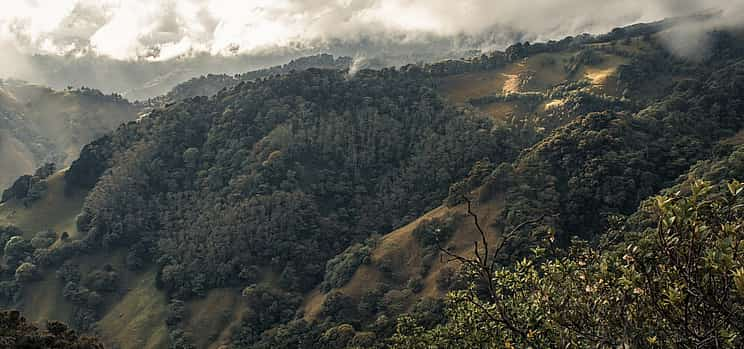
(484, 265)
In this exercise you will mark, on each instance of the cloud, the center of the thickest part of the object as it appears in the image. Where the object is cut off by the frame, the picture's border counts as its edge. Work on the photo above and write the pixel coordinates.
(165, 29)
(142, 48)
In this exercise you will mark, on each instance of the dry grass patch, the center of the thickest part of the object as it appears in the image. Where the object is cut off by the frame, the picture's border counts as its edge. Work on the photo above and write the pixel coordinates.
(55, 210)
(43, 300)
(138, 319)
(462, 87)
(211, 318)
(737, 139)
(403, 252)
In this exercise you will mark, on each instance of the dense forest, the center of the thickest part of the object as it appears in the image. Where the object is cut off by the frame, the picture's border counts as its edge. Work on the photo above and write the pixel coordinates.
(210, 84)
(585, 195)
(16, 332)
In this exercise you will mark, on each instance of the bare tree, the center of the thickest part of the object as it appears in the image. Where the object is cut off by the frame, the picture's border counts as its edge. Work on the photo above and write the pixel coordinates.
(484, 265)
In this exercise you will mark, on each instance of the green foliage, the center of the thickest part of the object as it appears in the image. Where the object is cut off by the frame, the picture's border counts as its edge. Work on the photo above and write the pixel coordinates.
(43, 239)
(447, 279)
(339, 307)
(436, 232)
(338, 337)
(283, 173)
(102, 280)
(266, 307)
(582, 58)
(28, 189)
(16, 332)
(18, 190)
(7, 232)
(210, 84)
(678, 284)
(605, 164)
(26, 272)
(341, 268)
(16, 249)
(69, 272)
(479, 172)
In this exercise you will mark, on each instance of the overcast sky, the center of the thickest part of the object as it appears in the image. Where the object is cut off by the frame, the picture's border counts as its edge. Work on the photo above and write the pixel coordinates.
(126, 29)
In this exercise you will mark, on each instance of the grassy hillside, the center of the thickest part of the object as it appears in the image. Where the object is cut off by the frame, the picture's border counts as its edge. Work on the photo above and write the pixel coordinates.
(41, 125)
(15, 158)
(133, 318)
(539, 73)
(56, 210)
(411, 259)
(137, 319)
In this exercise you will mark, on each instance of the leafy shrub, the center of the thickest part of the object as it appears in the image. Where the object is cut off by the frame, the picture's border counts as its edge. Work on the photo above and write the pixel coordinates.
(582, 58)
(341, 268)
(16, 249)
(338, 307)
(7, 232)
(69, 272)
(102, 280)
(267, 307)
(415, 284)
(436, 232)
(43, 239)
(18, 333)
(26, 272)
(338, 336)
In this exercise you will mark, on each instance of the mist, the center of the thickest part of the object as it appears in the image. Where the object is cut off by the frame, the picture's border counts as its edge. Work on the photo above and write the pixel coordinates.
(142, 47)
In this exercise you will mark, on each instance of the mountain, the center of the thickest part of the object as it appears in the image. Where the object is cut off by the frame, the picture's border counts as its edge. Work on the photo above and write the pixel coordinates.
(315, 208)
(210, 84)
(40, 125)
(149, 77)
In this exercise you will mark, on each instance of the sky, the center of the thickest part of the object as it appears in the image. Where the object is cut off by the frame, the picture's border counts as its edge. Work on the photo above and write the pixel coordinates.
(165, 29)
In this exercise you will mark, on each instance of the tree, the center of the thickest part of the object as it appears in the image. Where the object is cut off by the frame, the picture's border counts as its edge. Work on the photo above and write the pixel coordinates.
(43, 239)
(26, 272)
(16, 332)
(17, 248)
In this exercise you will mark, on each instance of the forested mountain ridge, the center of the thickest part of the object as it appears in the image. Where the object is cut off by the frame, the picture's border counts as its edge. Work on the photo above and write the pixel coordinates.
(210, 84)
(255, 217)
(40, 125)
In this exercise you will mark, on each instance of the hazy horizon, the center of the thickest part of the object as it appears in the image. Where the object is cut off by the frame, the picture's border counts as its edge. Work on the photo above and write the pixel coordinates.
(142, 48)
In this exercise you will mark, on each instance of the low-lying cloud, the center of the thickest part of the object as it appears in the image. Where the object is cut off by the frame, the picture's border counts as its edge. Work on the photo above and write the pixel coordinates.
(164, 29)
(142, 48)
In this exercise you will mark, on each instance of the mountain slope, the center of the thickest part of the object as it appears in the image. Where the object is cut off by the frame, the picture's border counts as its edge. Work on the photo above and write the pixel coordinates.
(208, 85)
(40, 125)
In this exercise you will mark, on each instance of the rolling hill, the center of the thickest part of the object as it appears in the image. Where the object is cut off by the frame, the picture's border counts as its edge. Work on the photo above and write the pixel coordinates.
(40, 125)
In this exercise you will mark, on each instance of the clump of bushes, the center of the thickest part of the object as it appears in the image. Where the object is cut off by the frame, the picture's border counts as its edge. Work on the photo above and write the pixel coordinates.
(29, 188)
(43, 239)
(584, 57)
(435, 232)
(341, 268)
